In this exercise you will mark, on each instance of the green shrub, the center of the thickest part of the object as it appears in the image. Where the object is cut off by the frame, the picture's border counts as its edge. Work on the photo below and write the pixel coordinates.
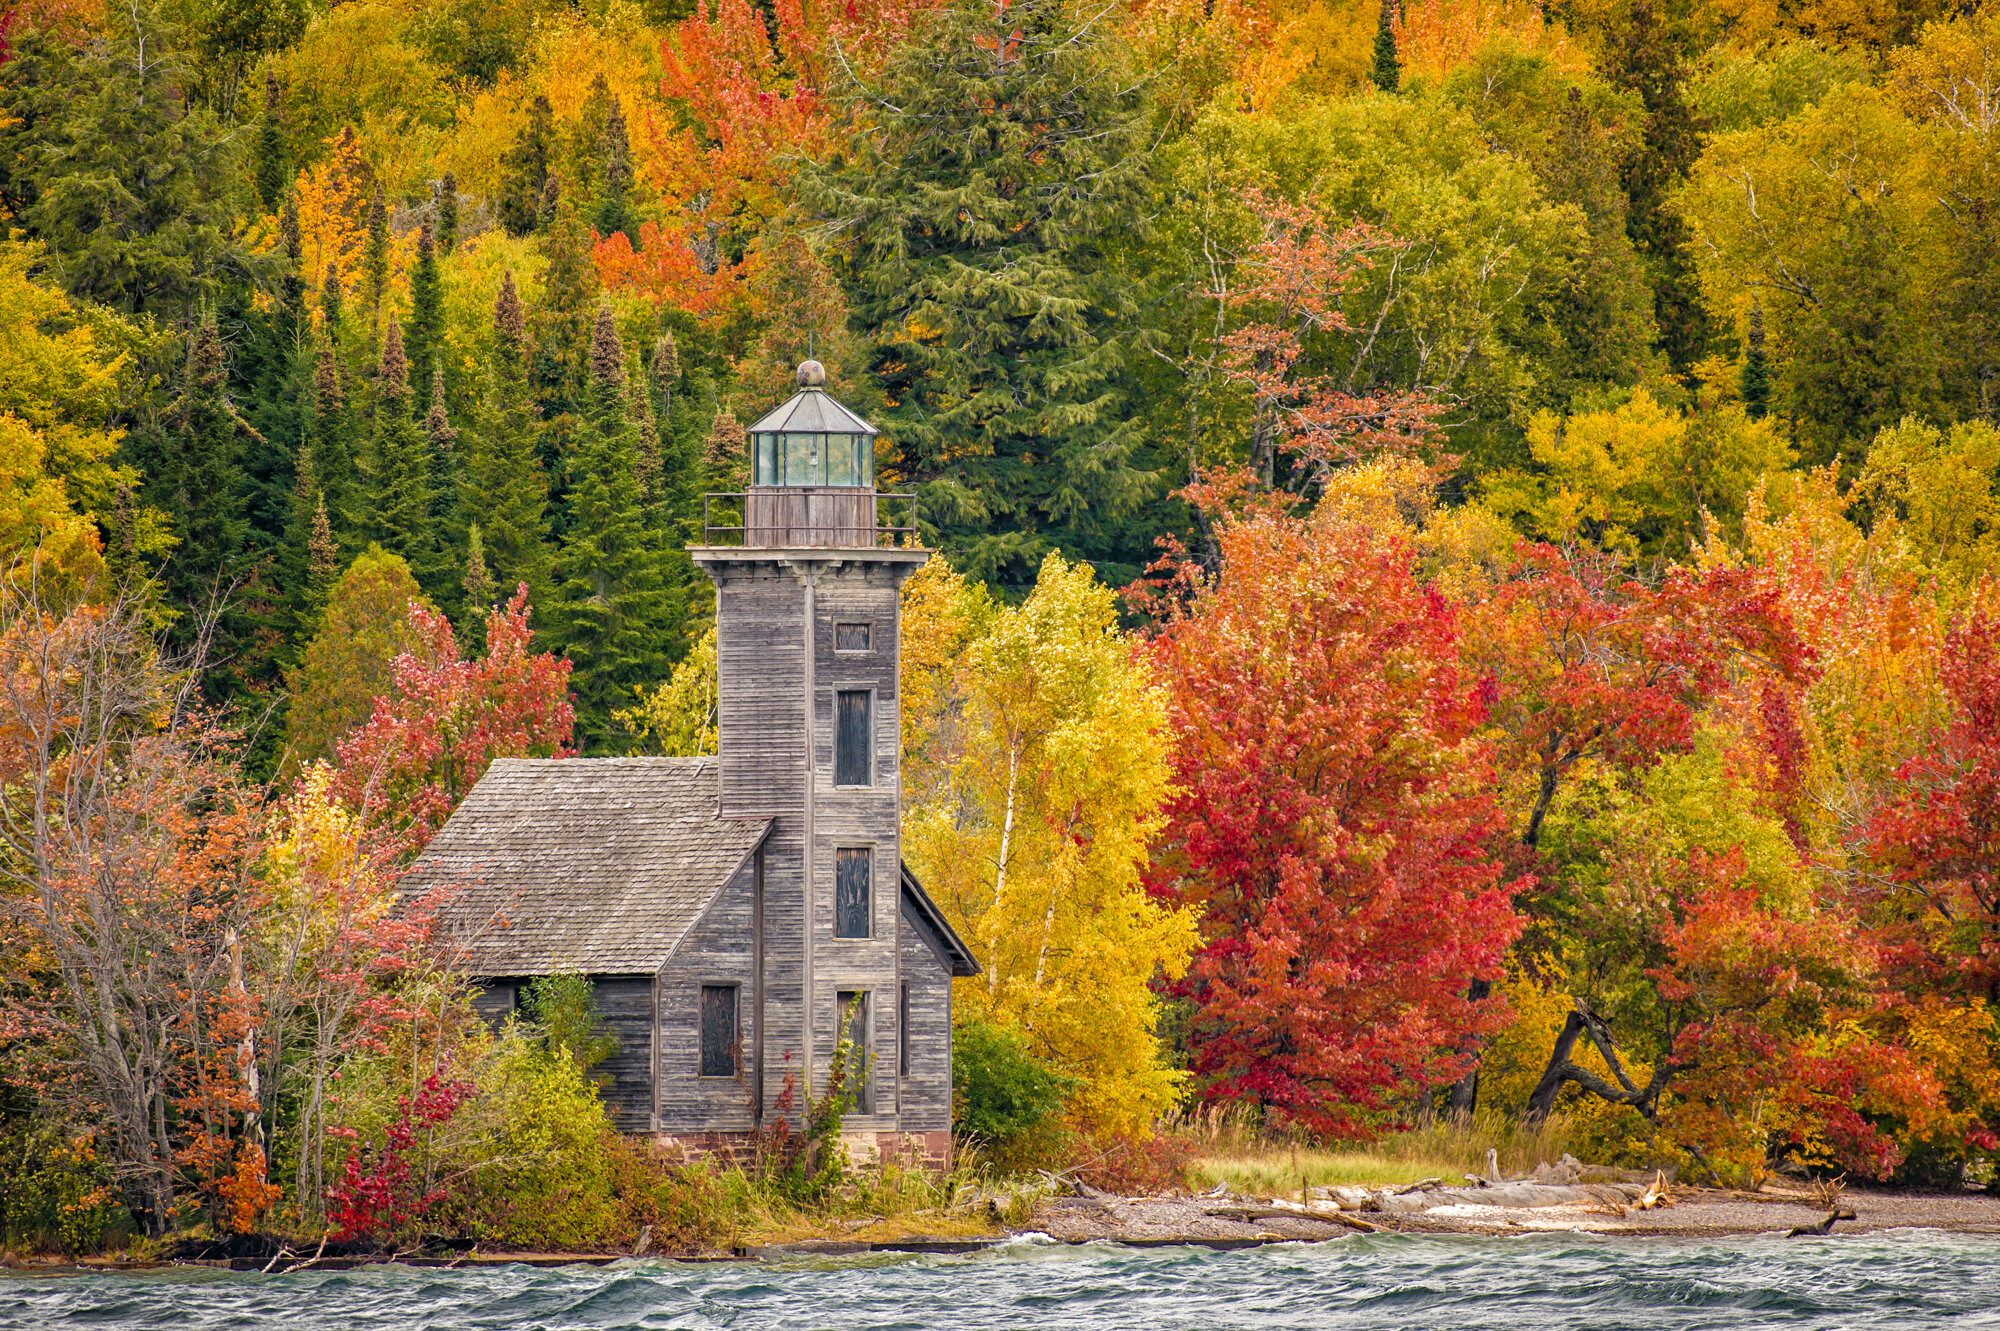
(56, 1193)
(564, 1007)
(1005, 1100)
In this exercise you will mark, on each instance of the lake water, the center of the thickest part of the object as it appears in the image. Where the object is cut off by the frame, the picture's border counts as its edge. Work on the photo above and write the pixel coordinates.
(1899, 1280)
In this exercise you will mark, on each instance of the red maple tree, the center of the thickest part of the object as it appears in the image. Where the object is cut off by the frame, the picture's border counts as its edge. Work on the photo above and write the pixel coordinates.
(1334, 819)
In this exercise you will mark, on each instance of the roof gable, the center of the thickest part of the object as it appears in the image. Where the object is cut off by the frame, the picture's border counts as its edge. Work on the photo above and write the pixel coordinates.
(598, 865)
(935, 929)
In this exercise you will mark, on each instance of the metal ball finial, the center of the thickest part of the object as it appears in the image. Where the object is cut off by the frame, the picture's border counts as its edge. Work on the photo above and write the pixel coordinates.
(811, 374)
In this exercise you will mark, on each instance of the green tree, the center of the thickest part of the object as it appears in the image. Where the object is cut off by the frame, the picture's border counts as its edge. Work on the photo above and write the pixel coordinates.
(1756, 367)
(423, 336)
(333, 445)
(524, 170)
(398, 480)
(349, 662)
(375, 258)
(1388, 73)
(1002, 158)
(271, 165)
(614, 208)
(202, 480)
(446, 210)
(103, 159)
(613, 611)
(502, 484)
(1646, 58)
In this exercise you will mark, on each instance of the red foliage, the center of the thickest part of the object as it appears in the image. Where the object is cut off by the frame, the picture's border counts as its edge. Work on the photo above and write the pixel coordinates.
(1585, 664)
(1291, 285)
(446, 720)
(385, 1188)
(1940, 839)
(1334, 820)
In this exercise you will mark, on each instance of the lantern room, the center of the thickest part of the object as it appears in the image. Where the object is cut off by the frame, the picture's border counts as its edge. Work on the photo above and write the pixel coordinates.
(811, 440)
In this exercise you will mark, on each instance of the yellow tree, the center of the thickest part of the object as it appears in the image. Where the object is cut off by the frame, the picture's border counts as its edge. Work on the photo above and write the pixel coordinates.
(1035, 832)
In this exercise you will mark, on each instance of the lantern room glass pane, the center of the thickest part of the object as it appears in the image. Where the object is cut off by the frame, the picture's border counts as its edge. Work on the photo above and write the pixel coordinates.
(840, 460)
(767, 459)
(864, 459)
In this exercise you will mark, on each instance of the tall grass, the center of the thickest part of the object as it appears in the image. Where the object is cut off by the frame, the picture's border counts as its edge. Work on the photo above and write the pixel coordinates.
(1230, 1148)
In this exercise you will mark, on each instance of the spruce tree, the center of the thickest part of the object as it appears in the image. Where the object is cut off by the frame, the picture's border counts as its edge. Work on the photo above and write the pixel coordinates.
(399, 488)
(1388, 72)
(308, 546)
(480, 591)
(272, 373)
(1756, 368)
(269, 156)
(982, 215)
(525, 169)
(330, 303)
(424, 335)
(447, 214)
(204, 479)
(614, 211)
(502, 483)
(562, 340)
(333, 449)
(614, 609)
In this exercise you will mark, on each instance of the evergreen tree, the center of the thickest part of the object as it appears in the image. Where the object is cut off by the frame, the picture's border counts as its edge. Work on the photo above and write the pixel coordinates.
(981, 216)
(424, 335)
(308, 551)
(524, 169)
(614, 211)
(1756, 368)
(480, 591)
(333, 433)
(1648, 61)
(330, 303)
(447, 214)
(204, 476)
(271, 166)
(1388, 72)
(502, 483)
(562, 341)
(613, 612)
(399, 485)
(375, 259)
(104, 161)
(272, 374)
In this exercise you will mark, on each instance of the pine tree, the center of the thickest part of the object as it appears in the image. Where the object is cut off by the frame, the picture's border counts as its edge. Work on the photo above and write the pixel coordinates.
(1388, 73)
(525, 169)
(330, 304)
(375, 259)
(982, 214)
(502, 483)
(1756, 368)
(614, 211)
(614, 609)
(272, 372)
(447, 214)
(269, 157)
(308, 544)
(424, 335)
(399, 487)
(562, 340)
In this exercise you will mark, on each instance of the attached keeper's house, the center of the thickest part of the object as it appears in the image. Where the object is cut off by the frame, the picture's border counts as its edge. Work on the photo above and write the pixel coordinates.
(730, 910)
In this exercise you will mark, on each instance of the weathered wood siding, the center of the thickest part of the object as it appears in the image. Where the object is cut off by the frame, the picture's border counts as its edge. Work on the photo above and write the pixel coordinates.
(626, 1004)
(793, 516)
(763, 677)
(926, 1088)
(717, 951)
(496, 1000)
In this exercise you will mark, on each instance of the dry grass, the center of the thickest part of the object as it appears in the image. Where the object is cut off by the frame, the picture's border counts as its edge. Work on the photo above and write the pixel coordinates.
(1228, 1150)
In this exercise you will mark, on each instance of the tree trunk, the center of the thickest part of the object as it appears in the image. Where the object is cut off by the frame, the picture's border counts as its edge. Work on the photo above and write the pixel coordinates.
(1465, 1091)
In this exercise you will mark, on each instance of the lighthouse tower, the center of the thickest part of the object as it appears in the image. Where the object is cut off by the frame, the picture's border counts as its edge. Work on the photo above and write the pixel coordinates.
(809, 725)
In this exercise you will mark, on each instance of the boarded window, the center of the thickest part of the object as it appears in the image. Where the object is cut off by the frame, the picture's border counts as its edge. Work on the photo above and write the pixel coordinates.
(903, 1031)
(851, 738)
(854, 1007)
(850, 637)
(718, 1030)
(852, 913)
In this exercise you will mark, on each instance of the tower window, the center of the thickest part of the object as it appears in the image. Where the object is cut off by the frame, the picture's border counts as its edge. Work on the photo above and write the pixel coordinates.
(851, 894)
(718, 1030)
(851, 738)
(850, 637)
(854, 1007)
(903, 1031)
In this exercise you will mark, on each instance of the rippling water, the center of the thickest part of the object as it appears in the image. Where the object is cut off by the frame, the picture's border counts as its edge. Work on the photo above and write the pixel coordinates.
(1387, 1281)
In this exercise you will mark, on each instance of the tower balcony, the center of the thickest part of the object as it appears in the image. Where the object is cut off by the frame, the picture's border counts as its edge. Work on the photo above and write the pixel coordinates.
(807, 517)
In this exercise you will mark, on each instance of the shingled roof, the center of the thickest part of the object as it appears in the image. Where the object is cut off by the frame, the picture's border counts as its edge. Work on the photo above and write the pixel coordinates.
(598, 865)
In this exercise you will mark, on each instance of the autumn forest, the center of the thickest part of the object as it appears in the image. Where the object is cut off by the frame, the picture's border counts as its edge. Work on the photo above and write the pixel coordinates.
(1467, 535)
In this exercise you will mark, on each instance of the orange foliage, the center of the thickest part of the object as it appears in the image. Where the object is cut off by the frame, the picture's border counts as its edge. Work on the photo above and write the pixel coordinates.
(1437, 36)
(245, 1191)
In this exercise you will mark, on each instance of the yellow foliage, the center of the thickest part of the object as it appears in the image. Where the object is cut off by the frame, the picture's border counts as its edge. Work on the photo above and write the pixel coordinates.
(1938, 488)
(1437, 36)
(677, 719)
(1036, 838)
(1513, 1063)
(333, 202)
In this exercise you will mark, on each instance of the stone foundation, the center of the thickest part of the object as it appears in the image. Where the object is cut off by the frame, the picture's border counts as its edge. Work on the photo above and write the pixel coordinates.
(928, 1150)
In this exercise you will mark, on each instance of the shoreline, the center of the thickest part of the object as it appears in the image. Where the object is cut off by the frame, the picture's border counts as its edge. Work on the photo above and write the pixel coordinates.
(1224, 1223)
